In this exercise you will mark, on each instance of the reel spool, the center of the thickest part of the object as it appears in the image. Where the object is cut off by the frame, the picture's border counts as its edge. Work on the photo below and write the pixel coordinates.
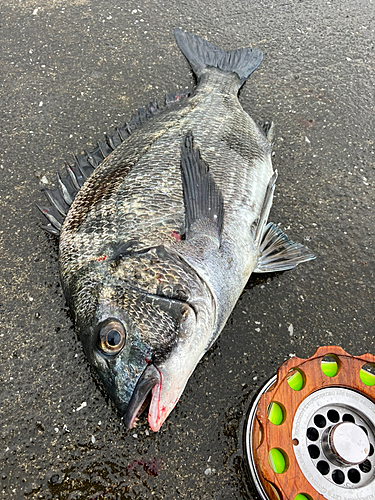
(310, 434)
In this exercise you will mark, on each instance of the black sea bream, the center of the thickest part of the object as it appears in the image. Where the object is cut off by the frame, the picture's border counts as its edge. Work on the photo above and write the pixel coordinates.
(160, 228)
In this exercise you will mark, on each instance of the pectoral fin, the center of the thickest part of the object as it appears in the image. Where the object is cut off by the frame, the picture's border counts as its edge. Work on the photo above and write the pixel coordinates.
(203, 200)
(278, 253)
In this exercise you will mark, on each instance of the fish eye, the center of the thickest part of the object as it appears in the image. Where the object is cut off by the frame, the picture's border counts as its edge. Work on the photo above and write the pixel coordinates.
(112, 337)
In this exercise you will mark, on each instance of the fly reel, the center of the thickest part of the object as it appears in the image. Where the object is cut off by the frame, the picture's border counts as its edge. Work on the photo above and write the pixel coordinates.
(310, 434)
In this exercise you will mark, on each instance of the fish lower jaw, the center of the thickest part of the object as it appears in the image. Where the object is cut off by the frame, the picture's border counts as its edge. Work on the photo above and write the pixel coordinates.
(158, 410)
(155, 419)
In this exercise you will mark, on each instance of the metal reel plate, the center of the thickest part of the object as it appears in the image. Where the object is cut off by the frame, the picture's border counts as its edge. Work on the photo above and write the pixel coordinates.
(313, 415)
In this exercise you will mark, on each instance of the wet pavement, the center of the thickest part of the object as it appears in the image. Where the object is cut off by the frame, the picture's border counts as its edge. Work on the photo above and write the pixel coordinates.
(73, 71)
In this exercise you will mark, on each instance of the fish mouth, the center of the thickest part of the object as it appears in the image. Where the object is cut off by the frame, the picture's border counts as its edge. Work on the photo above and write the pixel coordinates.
(161, 386)
(147, 387)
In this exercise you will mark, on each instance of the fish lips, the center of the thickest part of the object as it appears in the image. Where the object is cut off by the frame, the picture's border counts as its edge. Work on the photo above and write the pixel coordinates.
(148, 383)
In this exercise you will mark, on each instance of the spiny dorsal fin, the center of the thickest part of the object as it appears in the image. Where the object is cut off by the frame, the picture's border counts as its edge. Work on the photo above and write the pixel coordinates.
(67, 187)
(204, 209)
(54, 218)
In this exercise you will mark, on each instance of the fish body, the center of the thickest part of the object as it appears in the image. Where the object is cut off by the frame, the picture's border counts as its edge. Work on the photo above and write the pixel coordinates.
(161, 238)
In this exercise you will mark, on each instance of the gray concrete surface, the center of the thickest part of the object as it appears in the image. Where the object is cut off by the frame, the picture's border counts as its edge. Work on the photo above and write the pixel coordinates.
(72, 71)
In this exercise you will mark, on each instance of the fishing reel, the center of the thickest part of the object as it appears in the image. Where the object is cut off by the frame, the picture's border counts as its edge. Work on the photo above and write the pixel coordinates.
(310, 434)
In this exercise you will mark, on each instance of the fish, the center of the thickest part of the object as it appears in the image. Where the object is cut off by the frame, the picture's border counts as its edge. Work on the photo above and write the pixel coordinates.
(160, 227)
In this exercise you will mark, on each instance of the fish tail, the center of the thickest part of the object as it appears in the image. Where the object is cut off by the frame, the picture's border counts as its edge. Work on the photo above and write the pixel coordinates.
(202, 54)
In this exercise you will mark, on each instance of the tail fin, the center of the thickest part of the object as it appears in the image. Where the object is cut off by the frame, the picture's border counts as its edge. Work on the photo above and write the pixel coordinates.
(202, 54)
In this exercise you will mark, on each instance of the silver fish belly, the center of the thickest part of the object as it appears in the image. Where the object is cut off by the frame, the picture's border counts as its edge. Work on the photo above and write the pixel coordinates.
(160, 229)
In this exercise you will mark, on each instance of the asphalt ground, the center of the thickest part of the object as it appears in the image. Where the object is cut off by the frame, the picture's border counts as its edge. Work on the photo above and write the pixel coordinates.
(72, 71)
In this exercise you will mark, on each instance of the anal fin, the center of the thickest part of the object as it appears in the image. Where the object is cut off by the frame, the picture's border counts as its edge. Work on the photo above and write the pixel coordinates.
(204, 207)
(269, 130)
(278, 253)
(265, 211)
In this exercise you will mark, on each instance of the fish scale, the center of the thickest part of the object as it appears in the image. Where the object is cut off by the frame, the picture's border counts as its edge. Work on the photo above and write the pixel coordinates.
(154, 189)
(162, 236)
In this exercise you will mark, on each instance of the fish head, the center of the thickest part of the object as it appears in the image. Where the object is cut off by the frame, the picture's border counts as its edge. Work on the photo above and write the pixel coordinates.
(133, 340)
(145, 319)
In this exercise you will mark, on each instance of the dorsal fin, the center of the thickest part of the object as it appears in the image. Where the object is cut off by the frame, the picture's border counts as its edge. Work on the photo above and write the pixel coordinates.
(67, 187)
